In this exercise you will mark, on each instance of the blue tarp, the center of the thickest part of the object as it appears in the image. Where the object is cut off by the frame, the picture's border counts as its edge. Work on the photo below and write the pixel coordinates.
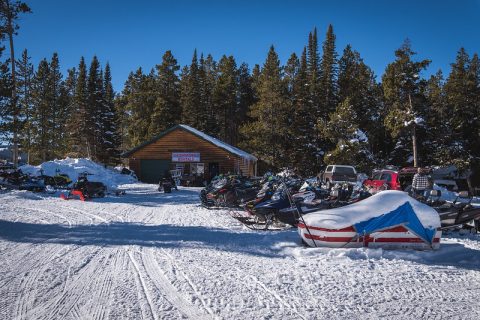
(403, 215)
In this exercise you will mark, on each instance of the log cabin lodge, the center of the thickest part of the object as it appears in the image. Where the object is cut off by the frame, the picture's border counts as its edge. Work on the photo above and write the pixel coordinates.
(191, 155)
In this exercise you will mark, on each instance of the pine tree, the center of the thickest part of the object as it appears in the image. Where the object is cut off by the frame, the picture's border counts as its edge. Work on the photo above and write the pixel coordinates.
(110, 138)
(351, 142)
(291, 71)
(328, 74)
(461, 90)
(167, 109)
(25, 74)
(77, 125)
(313, 73)
(5, 100)
(356, 82)
(304, 148)
(190, 95)
(95, 109)
(42, 128)
(405, 103)
(473, 108)
(246, 98)
(208, 79)
(267, 134)
(140, 98)
(225, 98)
(59, 108)
(9, 15)
(439, 122)
(317, 116)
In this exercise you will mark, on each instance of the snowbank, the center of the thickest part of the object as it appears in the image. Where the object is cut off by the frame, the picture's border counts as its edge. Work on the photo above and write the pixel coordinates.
(72, 167)
(375, 206)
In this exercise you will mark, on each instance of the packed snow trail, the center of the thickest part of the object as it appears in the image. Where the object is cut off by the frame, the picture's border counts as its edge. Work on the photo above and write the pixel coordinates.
(148, 255)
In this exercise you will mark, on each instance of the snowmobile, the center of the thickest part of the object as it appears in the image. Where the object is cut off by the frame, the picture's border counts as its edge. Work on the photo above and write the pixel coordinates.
(266, 212)
(230, 192)
(58, 181)
(457, 214)
(165, 185)
(85, 189)
(339, 196)
(16, 179)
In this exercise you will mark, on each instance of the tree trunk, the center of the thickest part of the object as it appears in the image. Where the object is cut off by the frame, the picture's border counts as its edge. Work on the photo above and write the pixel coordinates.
(14, 96)
(414, 143)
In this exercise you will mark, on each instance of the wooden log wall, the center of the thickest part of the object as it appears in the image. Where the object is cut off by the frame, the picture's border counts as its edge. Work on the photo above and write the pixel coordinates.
(183, 141)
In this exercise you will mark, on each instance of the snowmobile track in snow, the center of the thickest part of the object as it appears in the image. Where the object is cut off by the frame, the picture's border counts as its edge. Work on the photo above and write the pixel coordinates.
(145, 291)
(157, 275)
(170, 259)
(91, 215)
(68, 300)
(68, 221)
(176, 269)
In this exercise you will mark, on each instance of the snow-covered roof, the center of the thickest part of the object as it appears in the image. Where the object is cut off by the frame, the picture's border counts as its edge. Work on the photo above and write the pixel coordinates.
(374, 206)
(229, 148)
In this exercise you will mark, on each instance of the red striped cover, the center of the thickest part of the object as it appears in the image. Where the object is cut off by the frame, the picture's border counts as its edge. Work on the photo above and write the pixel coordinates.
(392, 238)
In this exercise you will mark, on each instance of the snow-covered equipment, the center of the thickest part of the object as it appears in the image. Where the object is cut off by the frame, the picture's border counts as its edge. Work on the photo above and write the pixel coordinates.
(73, 167)
(85, 189)
(390, 220)
(11, 178)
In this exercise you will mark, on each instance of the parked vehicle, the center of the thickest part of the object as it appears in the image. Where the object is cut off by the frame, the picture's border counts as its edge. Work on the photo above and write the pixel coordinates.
(58, 181)
(228, 191)
(338, 174)
(85, 189)
(165, 185)
(383, 180)
(458, 214)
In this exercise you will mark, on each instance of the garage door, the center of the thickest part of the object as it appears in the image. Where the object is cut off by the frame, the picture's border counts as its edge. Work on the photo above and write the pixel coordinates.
(152, 170)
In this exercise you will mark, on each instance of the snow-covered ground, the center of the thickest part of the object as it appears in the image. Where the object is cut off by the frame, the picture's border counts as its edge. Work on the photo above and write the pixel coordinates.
(147, 255)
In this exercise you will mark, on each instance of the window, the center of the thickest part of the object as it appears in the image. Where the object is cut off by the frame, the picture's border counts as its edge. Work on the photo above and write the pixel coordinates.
(329, 169)
(344, 170)
(377, 176)
(387, 177)
(197, 168)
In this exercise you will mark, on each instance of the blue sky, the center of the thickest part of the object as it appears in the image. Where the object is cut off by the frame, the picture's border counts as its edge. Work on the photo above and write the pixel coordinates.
(130, 34)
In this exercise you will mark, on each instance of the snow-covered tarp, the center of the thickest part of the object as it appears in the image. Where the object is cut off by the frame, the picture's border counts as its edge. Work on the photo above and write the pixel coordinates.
(72, 167)
(375, 206)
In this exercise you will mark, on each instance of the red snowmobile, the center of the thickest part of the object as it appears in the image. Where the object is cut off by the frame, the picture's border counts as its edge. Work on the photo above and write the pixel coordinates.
(85, 189)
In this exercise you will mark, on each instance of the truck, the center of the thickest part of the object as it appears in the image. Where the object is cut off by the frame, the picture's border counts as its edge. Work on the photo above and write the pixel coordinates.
(337, 174)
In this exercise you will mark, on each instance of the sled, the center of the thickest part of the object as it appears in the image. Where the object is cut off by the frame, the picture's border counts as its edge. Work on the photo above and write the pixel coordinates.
(253, 222)
(71, 195)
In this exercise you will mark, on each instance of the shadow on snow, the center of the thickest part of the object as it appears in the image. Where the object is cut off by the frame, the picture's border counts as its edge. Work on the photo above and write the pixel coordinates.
(165, 236)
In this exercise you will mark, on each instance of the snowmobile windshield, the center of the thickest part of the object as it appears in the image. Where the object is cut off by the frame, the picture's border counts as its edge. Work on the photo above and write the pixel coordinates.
(264, 188)
(279, 193)
(220, 183)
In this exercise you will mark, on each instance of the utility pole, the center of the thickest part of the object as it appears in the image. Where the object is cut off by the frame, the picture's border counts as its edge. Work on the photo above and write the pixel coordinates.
(414, 135)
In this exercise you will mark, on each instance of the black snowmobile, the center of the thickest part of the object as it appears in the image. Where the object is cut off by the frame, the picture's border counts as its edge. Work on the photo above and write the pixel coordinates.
(86, 189)
(457, 214)
(165, 185)
(58, 181)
